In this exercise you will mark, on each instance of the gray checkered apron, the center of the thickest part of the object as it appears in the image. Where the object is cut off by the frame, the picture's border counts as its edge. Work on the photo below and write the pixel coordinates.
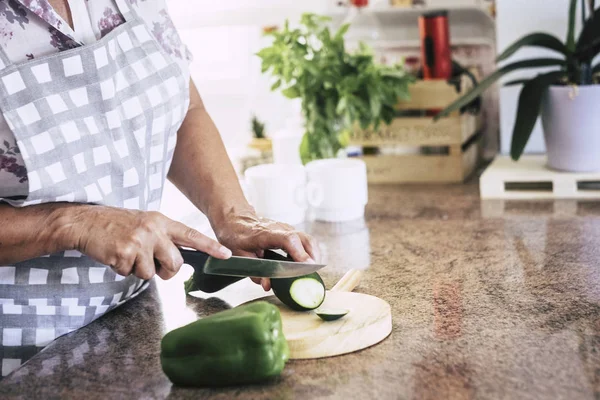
(95, 124)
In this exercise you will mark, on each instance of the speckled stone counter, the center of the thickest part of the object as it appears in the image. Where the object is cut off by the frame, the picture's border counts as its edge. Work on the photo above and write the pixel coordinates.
(489, 300)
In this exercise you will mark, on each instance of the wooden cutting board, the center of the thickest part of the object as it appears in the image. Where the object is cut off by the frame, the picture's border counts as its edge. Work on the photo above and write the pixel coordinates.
(368, 322)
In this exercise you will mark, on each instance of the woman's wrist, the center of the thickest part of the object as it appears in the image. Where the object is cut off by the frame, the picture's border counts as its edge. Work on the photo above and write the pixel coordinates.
(221, 214)
(65, 227)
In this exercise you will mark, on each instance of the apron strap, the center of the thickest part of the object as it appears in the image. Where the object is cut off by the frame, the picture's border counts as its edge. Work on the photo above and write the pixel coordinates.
(129, 14)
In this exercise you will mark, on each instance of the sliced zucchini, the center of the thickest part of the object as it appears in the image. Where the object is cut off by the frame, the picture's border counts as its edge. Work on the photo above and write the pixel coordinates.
(302, 293)
(331, 314)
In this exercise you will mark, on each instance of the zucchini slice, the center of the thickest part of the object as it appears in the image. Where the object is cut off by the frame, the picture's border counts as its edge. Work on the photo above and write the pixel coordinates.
(302, 293)
(331, 314)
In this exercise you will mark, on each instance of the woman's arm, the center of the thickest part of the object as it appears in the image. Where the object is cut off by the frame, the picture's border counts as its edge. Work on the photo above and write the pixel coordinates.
(34, 231)
(127, 240)
(201, 169)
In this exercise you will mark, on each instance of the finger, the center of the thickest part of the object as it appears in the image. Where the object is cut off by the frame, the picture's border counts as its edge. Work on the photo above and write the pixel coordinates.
(169, 258)
(311, 246)
(290, 242)
(266, 284)
(144, 267)
(124, 263)
(185, 236)
(243, 253)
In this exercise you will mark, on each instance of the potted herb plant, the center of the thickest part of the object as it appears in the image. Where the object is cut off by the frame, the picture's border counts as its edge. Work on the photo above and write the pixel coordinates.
(259, 140)
(337, 89)
(567, 97)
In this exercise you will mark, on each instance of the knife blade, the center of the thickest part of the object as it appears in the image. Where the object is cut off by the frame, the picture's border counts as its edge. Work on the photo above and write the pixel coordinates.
(213, 274)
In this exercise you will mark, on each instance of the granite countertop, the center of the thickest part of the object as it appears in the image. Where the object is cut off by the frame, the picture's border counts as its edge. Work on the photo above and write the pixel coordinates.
(489, 300)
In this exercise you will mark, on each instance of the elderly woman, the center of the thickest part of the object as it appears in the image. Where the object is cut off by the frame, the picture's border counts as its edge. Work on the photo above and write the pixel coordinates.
(97, 110)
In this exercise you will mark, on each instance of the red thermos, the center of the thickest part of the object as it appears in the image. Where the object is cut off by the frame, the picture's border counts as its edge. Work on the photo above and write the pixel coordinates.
(435, 45)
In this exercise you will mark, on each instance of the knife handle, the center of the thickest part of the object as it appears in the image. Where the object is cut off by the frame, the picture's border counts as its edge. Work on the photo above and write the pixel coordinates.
(213, 283)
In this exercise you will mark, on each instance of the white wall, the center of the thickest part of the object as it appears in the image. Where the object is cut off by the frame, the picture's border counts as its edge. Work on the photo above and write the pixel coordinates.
(515, 19)
(224, 36)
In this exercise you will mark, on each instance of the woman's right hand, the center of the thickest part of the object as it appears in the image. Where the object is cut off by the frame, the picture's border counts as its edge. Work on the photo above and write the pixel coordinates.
(130, 240)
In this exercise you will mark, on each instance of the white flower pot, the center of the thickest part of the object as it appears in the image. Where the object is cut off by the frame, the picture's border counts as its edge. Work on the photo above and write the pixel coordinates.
(571, 121)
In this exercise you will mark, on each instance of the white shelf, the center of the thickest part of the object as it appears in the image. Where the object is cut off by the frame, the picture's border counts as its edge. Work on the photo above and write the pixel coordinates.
(394, 12)
(530, 179)
(275, 13)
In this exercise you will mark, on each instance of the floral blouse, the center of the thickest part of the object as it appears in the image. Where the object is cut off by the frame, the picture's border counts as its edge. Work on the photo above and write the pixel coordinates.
(31, 28)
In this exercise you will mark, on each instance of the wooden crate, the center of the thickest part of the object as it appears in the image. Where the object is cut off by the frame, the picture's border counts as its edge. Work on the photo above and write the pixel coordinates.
(457, 136)
(401, 3)
(530, 179)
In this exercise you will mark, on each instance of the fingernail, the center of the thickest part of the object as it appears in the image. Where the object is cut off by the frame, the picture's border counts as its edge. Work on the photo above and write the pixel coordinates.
(225, 251)
(310, 261)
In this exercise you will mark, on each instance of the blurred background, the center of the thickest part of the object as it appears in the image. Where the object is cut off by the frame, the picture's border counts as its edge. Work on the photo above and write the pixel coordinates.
(225, 36)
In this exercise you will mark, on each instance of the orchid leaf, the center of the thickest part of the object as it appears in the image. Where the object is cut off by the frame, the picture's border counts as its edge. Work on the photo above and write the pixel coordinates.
(516, 82)
(530, 104)
(535, 40)
(491, 79)
(571, 29)
(588, 44)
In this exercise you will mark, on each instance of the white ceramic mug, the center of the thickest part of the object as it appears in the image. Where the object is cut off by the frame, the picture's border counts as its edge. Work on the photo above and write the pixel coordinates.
(286, 149)
(337, 189)
(277, 192)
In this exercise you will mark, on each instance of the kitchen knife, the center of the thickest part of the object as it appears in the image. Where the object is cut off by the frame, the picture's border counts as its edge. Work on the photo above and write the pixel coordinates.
(213, 274)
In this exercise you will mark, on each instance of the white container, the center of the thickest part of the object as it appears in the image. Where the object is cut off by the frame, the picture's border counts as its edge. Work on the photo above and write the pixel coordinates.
(286, 148)
(277, 192)
(286, 142)
(571, 124)
(337, 189)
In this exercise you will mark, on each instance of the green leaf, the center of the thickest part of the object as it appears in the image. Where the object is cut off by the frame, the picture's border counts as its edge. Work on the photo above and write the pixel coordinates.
(394, 74)
(276, 85)
(530, 104)
(588, 44)
(374, 101)
(344, 137)
(305, 149)
(571, 30)
(291, 92)
(516, 82)
(534, 40)
(341, 107)
(489, 81)
(342, 31)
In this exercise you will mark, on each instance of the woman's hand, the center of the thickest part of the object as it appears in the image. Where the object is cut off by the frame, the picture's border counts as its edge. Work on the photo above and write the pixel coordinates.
(130, 240)
(248, 236)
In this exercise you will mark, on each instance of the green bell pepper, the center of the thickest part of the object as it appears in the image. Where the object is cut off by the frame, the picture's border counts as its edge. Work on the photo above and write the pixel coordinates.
(237, 346)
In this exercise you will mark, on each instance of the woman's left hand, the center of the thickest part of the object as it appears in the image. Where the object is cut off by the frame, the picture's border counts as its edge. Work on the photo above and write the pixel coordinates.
(248, 235)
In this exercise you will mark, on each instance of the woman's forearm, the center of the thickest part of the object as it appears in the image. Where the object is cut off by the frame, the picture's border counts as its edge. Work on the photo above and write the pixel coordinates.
(34, 231)
(201, 168)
